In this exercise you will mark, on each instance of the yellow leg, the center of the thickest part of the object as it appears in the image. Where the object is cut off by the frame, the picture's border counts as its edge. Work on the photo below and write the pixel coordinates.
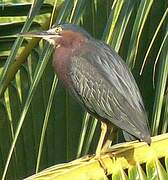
(101, 140)
(110, 136)
(107, 143)
(103, 144)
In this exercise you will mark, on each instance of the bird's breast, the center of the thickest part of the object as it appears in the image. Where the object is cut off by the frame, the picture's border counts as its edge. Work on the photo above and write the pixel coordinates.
(61, 63)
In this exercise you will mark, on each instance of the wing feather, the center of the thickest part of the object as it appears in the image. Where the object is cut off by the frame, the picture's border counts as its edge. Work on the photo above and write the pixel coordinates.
(104, 85)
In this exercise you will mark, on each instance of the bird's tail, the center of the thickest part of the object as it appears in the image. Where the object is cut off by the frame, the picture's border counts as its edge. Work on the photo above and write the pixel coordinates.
(128, 137)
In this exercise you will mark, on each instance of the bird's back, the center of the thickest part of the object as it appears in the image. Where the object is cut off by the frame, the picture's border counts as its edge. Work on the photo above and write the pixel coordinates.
(102, 82)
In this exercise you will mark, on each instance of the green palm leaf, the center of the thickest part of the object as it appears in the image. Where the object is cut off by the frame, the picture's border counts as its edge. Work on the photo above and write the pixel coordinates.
(41, 125)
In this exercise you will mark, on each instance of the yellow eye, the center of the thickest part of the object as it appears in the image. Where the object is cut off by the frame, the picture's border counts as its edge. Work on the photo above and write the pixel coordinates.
(58, 29)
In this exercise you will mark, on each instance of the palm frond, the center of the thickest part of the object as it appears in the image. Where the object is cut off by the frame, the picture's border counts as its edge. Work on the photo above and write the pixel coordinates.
(41, 125)
(126, 160)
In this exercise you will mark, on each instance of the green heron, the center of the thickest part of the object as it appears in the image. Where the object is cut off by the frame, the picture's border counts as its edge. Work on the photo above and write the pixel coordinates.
(100, 81)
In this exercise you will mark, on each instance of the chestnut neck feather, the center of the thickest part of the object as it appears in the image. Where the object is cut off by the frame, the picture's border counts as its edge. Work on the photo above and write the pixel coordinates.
(67, 45)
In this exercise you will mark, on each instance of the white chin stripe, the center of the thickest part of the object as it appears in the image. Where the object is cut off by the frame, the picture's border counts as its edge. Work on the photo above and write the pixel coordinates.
(51, 41)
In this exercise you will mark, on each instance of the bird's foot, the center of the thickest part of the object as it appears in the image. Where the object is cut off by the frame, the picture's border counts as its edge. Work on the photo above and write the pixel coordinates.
(92, 158)
(97, 157)
(85, 158)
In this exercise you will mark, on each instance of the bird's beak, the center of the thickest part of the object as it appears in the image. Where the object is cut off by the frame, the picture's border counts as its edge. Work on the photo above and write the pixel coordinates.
(47, 35)
(43, 34)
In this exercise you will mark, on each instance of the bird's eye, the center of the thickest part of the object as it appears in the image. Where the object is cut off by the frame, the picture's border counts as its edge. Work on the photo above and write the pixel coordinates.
(58, 29)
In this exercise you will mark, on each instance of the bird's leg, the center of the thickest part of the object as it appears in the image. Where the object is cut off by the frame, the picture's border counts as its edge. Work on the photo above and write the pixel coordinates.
(98, 149)
(109, 138)
(99, 146)
(104, 143)
(108, 133)
(101, 139)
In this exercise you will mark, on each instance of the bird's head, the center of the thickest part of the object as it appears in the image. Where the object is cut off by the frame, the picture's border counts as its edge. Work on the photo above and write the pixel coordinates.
(67, 35)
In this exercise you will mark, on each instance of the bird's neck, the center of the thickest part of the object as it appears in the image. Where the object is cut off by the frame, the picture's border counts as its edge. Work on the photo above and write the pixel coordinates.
(61, 64)
(67, 47)
(70, 42)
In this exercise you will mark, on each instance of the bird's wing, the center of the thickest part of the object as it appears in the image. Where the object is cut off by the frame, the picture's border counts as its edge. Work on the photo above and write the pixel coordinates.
(104, 85)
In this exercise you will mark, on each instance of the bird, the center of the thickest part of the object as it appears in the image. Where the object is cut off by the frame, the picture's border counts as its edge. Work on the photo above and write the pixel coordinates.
(99, 79)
